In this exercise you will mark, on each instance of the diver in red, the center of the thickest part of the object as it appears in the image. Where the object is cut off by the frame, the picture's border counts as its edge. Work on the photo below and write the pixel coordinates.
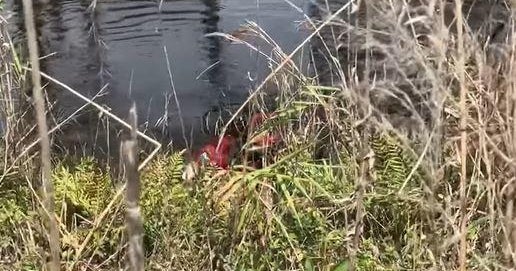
(220, 157)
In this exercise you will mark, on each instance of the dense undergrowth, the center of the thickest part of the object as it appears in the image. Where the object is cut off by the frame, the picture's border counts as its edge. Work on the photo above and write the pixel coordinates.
(351, 187)
(294, 213)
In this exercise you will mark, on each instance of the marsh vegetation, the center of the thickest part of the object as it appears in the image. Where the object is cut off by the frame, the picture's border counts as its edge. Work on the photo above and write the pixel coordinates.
(394, 150)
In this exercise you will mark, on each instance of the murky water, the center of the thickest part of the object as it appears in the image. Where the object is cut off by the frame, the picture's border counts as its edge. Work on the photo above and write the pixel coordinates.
(125, 43)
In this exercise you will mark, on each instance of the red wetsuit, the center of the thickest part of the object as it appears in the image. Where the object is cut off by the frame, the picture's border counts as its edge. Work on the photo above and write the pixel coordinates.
(218, 157)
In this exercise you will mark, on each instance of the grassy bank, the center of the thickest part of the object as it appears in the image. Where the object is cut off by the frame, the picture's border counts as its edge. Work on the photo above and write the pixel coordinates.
(403, 164)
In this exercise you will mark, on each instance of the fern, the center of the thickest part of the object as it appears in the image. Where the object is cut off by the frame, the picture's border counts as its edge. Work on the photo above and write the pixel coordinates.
(13, 213)
(392, 164)
(161, 185)
(82, 193)
(391, 211)
(176, 163)
(82, 189)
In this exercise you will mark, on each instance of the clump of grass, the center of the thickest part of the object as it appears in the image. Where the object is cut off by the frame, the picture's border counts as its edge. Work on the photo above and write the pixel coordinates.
(14, 213)
(21, 235)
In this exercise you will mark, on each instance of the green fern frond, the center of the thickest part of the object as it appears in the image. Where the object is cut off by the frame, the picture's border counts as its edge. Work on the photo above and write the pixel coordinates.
(82, 192)
(176, 163)
(164, 169)
(157, 180)
(83, 187)
(392, 164)
(161, 186)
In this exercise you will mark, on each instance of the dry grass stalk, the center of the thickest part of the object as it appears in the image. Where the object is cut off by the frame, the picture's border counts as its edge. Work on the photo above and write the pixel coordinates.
(13, 125)
(364, 179)
(460, 66)
(46, 167)
(133, 216)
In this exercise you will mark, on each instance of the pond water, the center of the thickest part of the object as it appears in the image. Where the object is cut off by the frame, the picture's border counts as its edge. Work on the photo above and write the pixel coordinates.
(123, 44)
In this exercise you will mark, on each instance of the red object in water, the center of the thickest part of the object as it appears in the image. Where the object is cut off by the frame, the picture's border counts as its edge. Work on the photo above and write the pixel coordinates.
(218, 157)
(221, 157)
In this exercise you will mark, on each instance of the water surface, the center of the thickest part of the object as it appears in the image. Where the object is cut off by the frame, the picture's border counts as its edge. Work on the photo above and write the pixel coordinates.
(123, 43)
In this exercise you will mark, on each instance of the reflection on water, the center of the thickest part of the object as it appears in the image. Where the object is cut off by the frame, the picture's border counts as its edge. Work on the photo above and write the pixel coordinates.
(122, 43)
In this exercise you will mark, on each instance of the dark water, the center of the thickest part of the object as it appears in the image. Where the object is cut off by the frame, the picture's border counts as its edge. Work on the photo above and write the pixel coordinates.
(122, 43)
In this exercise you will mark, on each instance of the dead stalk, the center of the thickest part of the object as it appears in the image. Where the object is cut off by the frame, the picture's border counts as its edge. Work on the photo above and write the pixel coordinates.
(48, 188)
(463, 135)
(363, 178)
(133, 216)
(510, 221)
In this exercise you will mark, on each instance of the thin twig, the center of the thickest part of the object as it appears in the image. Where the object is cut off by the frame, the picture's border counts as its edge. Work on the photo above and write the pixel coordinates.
(96, 224)
(113, 116)
(46, 167)
(169, 69)
(55, 128)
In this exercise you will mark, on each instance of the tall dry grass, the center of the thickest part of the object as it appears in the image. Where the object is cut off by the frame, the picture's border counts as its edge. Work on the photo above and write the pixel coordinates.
(437, 76)
(437, 85)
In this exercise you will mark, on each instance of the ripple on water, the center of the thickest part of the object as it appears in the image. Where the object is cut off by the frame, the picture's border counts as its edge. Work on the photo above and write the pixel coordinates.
(127, 52)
